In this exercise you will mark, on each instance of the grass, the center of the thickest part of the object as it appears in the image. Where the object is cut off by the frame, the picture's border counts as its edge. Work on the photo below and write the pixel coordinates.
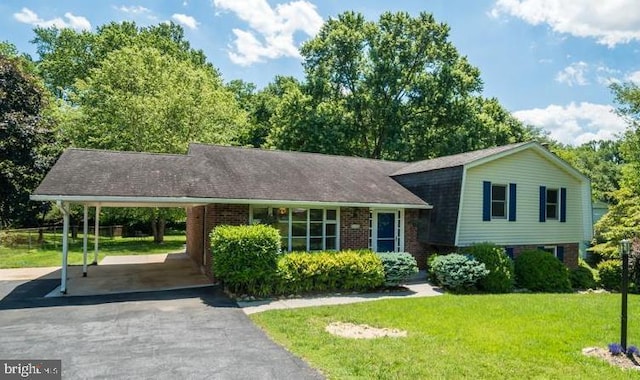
(530, 336)
(50, 254)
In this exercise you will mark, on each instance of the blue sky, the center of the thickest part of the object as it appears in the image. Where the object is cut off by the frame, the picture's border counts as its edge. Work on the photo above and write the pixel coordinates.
(549, 62)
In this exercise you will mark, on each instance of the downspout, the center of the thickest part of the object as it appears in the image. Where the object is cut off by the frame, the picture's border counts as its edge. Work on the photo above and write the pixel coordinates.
(65, 244)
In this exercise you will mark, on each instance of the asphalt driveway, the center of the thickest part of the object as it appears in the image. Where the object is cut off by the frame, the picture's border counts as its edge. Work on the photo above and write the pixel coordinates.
(178, 334)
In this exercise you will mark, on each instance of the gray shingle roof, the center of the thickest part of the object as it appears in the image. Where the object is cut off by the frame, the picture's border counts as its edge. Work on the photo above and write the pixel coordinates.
(210, 171)
(453, 160)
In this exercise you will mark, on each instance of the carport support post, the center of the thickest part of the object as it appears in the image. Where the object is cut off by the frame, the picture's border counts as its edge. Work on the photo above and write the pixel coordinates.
(84, 240)
(97, 235)
(65, 245)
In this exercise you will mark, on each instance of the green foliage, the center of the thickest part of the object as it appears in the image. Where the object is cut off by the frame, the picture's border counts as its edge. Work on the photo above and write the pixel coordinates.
(27, 142)
(457, 272)
(398, 267)
(610, 273)
(394, 89)
(157, 102)
(601, 161)
(303, 272)
(582, 277)
(540, 271)
(501, 273)
(67, 55)
(245, 258)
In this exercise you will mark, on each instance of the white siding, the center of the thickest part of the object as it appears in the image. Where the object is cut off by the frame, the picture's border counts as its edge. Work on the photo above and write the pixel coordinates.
(529, 170)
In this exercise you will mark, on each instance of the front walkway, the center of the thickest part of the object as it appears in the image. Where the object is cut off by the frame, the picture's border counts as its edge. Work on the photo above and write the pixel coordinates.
(419, 288)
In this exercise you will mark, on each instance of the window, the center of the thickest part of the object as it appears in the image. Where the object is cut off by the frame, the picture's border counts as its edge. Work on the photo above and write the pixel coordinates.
(552, 204)
(498, 201)
(301, 229)
(552, 249)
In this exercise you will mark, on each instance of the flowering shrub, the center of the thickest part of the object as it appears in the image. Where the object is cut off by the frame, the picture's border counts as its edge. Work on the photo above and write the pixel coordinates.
(615, 349)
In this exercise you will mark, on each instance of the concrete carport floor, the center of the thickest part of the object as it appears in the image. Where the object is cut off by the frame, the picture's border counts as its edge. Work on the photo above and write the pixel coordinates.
(195, 333)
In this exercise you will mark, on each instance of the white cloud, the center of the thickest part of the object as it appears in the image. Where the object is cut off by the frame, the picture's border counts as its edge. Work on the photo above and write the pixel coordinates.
(574, 74)
(610, 22)
(134, 9)
(185, 20)
(28, 16)
(634, 77)
(575, 124)
(271, 31)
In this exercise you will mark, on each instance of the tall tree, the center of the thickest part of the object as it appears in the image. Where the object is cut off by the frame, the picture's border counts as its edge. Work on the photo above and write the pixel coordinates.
(66, 55)
(623, 218)
(140, 99)
(601, 161)
(394, 89)
(27, 144)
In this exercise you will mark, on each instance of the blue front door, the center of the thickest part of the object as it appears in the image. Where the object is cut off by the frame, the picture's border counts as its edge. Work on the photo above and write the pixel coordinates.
(386, 237)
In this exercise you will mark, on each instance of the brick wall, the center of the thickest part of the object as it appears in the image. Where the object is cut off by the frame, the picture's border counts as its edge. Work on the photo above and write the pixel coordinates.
(571, 252)
(222, 214)
(411, 241)
(195, 234)
(354, 238)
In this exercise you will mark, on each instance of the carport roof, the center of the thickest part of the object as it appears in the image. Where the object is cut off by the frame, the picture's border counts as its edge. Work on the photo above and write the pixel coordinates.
(220, 174)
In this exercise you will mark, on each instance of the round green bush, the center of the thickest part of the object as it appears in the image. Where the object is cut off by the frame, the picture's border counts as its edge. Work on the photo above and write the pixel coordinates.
(245, 258)
(457, 272)
(398, 267)
(500, 266)
(610, 272)
(582, 277)
(540, 271)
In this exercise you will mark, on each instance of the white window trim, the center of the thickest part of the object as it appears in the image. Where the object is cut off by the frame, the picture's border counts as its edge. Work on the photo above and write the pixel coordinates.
(398, 231)
(290, 224)
(506, 202)
(547, 203)
(553, 248)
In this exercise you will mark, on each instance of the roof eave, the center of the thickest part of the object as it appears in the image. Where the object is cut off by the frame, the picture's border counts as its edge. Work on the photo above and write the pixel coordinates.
(133, 201)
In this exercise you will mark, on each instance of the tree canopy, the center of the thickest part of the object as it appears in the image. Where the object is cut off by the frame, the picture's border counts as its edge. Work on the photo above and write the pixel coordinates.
(27, 142)
(140, 99)
(392, 89)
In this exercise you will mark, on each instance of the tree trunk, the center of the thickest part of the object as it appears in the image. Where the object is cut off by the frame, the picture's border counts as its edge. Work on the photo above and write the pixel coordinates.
(157, 226)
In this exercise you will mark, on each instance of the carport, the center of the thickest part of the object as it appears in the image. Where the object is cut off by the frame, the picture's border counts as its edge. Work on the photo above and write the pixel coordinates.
(100, 179)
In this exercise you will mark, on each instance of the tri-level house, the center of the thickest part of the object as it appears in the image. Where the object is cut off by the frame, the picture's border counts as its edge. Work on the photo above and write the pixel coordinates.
(519, 196)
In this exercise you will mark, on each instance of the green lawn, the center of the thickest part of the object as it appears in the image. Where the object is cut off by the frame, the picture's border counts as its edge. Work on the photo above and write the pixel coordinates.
(51, 254)
(515, 336)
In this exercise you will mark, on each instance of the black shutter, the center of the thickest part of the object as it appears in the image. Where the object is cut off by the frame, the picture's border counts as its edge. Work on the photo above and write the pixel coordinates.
(543, 204)
(563, 204)
(486, 201)
(560, 253)
(512, 202)
(509, 251)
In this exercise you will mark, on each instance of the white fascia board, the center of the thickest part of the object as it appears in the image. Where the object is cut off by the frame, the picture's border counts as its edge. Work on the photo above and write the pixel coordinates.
(188, 201)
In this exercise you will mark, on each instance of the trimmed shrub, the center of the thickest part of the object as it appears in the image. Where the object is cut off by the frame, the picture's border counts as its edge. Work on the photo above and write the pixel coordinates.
(610, 273)
(540, 271)
(501, 273)
(457, 272)
(303, 272)
(582, 277)
(398, 267)
(245, 258)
